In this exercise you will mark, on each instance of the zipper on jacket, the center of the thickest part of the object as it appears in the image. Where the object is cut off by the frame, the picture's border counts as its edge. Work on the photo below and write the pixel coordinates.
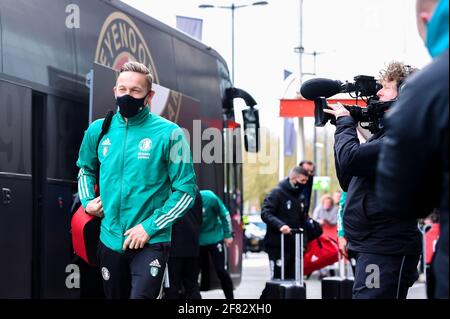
(121, 181)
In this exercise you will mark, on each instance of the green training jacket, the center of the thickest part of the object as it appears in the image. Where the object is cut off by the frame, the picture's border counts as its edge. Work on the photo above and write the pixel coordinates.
(146, 176)
(216, 223)
(340, 215)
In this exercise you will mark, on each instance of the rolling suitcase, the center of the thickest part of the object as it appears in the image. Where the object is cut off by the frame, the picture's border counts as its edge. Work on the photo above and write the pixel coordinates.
(288, 289)
(338, 287)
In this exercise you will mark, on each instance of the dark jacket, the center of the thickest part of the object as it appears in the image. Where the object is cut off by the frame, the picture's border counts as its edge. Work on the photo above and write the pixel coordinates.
(413, 168)
(306, 194)
(186, 232)
(282, 206)
(366, 228)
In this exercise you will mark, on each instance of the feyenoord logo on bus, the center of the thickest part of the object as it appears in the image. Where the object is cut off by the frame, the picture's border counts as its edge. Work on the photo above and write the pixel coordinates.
(121, 41)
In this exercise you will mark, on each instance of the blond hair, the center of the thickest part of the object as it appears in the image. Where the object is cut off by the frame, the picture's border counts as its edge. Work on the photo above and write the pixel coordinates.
(325, 197)
(137, 67)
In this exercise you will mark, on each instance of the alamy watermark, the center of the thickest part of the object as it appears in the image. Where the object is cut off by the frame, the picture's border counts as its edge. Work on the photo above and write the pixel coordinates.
(213, 145)
(73, 279)
(373, 277)
(73, 16)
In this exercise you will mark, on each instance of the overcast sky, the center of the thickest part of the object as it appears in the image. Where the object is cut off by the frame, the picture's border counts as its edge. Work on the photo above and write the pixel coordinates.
(353, 36)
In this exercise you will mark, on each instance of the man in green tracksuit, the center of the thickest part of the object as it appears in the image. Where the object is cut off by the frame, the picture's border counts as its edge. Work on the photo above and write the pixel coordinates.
(214, 233)
(147, 182)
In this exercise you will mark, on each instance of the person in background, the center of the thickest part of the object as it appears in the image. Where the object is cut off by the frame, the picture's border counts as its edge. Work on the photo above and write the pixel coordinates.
(342, 242)
(326, 212)
(326, 215)
(282, 210)
(215, 237)
(337, 198)
(183, 262)
(244, 227)
(306, 194)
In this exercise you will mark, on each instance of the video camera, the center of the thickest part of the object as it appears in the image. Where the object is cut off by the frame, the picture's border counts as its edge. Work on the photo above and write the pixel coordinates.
(364, 87)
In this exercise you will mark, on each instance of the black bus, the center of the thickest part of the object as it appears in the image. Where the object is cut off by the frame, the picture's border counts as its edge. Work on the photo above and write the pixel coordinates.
(56, 76)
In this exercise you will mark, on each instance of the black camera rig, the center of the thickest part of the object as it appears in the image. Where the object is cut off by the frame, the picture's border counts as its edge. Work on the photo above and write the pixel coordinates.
(364, 87)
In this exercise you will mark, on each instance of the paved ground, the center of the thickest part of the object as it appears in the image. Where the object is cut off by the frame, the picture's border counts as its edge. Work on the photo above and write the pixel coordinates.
(256, 273)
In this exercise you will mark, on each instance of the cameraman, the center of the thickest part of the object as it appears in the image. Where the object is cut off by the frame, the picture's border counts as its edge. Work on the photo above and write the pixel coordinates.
(386, 249)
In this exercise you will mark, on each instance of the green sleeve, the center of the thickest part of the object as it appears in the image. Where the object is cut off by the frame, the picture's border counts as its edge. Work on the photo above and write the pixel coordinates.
(340, 215)
(88, 163)
(224, 215)
(183, 185)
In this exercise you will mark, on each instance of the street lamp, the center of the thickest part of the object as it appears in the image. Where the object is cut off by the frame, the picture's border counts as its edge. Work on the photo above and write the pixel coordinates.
(232, 8)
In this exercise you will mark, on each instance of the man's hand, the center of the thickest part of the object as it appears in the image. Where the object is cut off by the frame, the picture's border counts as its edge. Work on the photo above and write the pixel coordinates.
(337, 110)
(137, 238)
(228, 241)
(342, 242)
(95, 208)
(285, 229)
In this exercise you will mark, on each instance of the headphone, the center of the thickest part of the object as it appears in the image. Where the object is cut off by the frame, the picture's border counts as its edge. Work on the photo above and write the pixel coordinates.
(408, 70)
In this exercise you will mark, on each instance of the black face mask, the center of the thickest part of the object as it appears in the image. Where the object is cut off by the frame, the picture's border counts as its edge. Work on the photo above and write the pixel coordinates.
(295, 185)
(129, 106)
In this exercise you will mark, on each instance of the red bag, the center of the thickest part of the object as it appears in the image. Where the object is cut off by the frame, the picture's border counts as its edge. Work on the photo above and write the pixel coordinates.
(85, 235)
(320, 252)
(85, 227)
(330, 231)
(431, 238)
